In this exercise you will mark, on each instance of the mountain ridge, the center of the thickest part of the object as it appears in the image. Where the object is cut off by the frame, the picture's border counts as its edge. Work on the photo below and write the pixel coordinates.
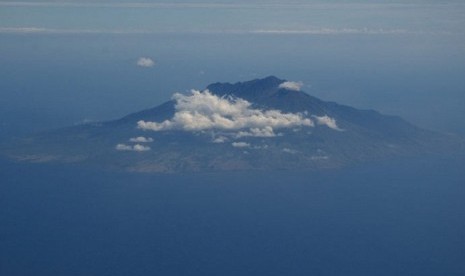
(261, 124)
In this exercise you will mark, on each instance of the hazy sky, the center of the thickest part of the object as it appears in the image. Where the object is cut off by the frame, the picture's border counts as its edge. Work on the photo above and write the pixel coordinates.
(375, 17)
(64, 62)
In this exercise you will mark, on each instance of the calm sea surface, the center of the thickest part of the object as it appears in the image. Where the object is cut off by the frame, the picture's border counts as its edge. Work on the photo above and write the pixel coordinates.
(402, 219)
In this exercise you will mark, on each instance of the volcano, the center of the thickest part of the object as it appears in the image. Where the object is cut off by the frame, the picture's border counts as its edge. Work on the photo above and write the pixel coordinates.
(262, 124)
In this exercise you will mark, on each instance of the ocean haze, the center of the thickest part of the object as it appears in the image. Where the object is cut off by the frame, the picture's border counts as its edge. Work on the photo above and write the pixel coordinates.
(232, 16)
(56, 80)
(65, 62)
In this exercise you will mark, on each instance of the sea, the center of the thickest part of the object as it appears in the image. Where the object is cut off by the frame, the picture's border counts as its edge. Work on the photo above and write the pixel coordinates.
(392, 218)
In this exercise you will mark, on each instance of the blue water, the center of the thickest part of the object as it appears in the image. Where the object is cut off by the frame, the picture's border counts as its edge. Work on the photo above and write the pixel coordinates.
(385, 219)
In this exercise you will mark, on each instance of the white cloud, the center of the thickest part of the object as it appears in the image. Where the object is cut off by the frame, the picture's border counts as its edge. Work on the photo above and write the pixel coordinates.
(257, 132)
(263, 147)
(220, 139)
(205, 111)
(291, 85)
(288, 150)
(123, 147)
(319, 157)
(231, 118)
(137, 147)
(141, 139)
(240, 145)
(145, 62)
(327, 121)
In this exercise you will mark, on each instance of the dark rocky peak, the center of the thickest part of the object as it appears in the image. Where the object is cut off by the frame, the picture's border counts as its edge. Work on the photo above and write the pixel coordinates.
(267, 93)
(253, 90)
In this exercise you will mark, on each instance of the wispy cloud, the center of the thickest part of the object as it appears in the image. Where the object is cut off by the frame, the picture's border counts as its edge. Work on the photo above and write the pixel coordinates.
(292, 85)
(288, 150)
(240, 145)
(23, 30)
(133, 5)
(41, 30)
(296, 17)
(333, 31)
(311, 31)
(327, 121)
(145, 62)
(141, 139)
(136, 147)
(220, 139)
(123, 147)
(213, 5)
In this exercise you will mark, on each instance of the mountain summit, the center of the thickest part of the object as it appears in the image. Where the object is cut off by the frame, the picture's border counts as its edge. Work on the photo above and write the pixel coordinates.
(261, 124)
(271, 92)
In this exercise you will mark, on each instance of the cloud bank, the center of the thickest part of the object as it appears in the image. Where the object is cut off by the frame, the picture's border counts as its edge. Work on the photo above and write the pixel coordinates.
(203, 111)
(145, 62)
(292, 85)
(231, 117)
(39, 29)
(315, 31)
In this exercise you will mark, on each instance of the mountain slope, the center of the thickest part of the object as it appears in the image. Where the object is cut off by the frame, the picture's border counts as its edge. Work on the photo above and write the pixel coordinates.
(260, 124)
